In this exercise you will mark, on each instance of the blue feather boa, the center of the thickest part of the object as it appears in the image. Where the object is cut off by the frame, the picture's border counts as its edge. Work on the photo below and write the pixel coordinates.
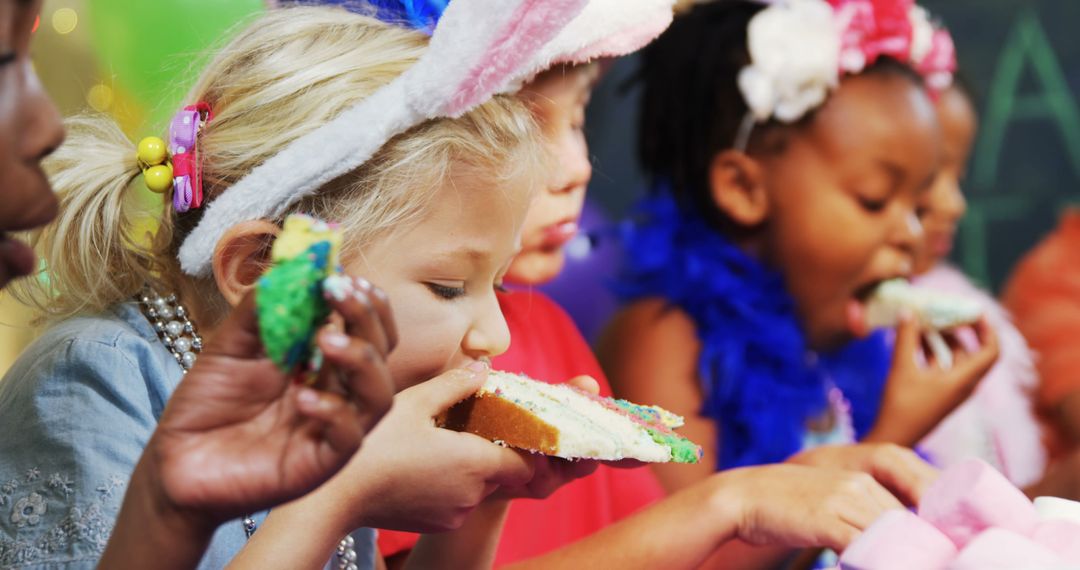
(419, 15)
(761, 381)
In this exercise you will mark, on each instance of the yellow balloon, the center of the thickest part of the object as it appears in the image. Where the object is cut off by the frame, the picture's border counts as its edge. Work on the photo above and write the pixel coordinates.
(152, 151)
(159, 178)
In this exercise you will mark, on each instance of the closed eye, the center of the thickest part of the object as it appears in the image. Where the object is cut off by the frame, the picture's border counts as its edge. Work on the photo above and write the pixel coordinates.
(7, 58)
(446, 292)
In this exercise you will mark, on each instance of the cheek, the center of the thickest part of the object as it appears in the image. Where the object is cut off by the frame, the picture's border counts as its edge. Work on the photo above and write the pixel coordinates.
(827, 244)
(430, 338)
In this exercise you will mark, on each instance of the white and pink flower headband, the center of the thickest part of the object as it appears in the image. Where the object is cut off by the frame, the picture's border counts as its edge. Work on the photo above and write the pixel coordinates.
(479, 48)
(799, 50)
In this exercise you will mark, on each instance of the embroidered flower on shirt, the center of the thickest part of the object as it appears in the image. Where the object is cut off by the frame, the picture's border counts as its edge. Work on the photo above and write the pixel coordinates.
(28, 510)
(10, 486)
(33, 474)
(61, 483)
(109, 488)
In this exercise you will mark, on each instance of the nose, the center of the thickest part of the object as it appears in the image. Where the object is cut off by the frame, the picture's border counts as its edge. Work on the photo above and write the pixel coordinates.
(954, 204)
(489, 336)
(574, 163)
(908, 233)
(42, 130)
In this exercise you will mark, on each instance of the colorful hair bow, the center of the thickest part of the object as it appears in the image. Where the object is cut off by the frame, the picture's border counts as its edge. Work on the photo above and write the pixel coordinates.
(187, 166)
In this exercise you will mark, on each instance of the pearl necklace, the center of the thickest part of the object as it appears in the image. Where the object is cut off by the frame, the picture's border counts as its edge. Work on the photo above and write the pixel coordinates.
(176, 331)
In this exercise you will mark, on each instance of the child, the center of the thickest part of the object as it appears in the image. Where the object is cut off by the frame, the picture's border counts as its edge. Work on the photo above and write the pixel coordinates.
(193, 429)
(85, 398)
(997, 423)
(575, 526)
(782, 197)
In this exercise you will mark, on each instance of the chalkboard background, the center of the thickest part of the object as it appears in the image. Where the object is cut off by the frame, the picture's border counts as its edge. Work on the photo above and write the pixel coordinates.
(1022, 59)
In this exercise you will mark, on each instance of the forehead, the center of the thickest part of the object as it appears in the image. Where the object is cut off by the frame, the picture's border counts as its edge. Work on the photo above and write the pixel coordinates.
(473, 209)
(876, 114)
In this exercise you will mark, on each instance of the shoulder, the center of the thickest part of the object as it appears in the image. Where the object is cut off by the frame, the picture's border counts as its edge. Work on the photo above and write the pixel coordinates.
(647, 338)
(651, 321)
(83, 399)
(114, 348)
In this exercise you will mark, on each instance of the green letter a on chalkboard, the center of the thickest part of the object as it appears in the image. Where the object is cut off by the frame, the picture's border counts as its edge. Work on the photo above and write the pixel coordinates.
(1027, 44)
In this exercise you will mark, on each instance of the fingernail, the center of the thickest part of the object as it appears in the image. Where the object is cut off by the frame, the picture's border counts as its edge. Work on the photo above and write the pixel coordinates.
(337, 287)
(478, 366)
(363, 284)
(308, 397)
(337, 340)
(362, 297)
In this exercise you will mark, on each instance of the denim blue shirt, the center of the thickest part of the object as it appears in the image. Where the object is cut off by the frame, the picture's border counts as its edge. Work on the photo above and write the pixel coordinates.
(76, 410)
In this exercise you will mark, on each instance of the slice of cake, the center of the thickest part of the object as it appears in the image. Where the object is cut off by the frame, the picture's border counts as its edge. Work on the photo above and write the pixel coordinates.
(935, 312)
(563, 421)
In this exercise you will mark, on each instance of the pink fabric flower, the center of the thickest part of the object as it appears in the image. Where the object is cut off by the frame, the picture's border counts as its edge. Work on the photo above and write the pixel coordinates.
(871, 29)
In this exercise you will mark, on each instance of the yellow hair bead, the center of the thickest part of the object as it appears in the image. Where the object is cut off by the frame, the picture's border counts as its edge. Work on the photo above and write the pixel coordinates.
(152, 151)
(159, 178)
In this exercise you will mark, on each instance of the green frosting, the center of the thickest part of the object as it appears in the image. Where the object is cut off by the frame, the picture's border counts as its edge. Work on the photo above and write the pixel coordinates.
(682, 450)
(291, 307)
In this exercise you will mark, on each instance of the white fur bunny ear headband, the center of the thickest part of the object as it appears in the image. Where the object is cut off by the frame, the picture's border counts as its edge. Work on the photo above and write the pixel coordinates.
(479, 48)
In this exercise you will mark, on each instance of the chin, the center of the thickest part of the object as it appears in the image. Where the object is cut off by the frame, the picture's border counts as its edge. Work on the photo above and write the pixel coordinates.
(536, 268)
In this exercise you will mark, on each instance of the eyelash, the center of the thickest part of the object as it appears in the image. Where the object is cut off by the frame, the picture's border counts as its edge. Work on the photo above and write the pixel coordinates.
(444, 292)
(452, 293)
(7, 58)
(873, 205)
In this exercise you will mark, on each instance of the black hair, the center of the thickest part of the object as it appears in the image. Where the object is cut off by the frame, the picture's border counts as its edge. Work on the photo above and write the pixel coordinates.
(692, 107)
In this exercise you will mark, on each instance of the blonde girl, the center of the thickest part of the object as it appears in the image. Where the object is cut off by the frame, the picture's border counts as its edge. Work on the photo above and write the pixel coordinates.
(432, 218)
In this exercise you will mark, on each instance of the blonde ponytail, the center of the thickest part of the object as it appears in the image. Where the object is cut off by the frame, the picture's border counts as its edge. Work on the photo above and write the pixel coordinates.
(93, 254)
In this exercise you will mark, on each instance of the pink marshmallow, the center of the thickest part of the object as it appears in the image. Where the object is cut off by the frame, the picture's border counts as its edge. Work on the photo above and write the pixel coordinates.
(1063, 537)
(998, 549)
(971, 497)
(899, 540)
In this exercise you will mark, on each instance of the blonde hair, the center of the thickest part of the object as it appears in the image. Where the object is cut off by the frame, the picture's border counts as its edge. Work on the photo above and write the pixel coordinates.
(291, 71)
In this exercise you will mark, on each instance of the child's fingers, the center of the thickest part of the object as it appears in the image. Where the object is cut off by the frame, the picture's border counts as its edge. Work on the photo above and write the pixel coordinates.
(586, 383)
(902, 472)
(343, 425)
(908, 340)
(436, 395)
(386, 315)
(838, 536)
(353, 300)
(361, 369)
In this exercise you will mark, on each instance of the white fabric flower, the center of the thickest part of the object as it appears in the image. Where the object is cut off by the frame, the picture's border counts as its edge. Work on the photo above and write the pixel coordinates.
(794, 53)
(28, 510)
(922, 34)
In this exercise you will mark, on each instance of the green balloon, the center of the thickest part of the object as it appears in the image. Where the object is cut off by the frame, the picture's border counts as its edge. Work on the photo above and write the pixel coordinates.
(154, 49)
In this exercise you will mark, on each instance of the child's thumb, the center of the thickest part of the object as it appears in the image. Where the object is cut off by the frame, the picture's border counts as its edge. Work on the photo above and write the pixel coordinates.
(449, 388)
(907, 335)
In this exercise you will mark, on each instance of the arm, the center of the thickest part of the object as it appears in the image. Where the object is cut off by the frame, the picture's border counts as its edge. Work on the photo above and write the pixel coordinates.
(409, 475)
(471, 546)
(788, 505)
(650, 354)
(238, 435)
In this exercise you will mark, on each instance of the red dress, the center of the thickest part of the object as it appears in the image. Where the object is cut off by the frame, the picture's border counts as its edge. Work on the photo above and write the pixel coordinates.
(546, 345)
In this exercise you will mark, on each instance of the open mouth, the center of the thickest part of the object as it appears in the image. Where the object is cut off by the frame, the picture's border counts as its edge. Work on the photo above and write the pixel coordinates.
(856, 306)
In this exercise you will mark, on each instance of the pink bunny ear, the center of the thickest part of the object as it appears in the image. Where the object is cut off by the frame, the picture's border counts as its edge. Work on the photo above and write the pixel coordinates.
(607, 28)
(479, 49)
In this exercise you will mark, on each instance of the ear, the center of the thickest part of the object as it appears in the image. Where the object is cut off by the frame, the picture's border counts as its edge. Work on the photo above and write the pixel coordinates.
(737, 184)
(241, 257)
